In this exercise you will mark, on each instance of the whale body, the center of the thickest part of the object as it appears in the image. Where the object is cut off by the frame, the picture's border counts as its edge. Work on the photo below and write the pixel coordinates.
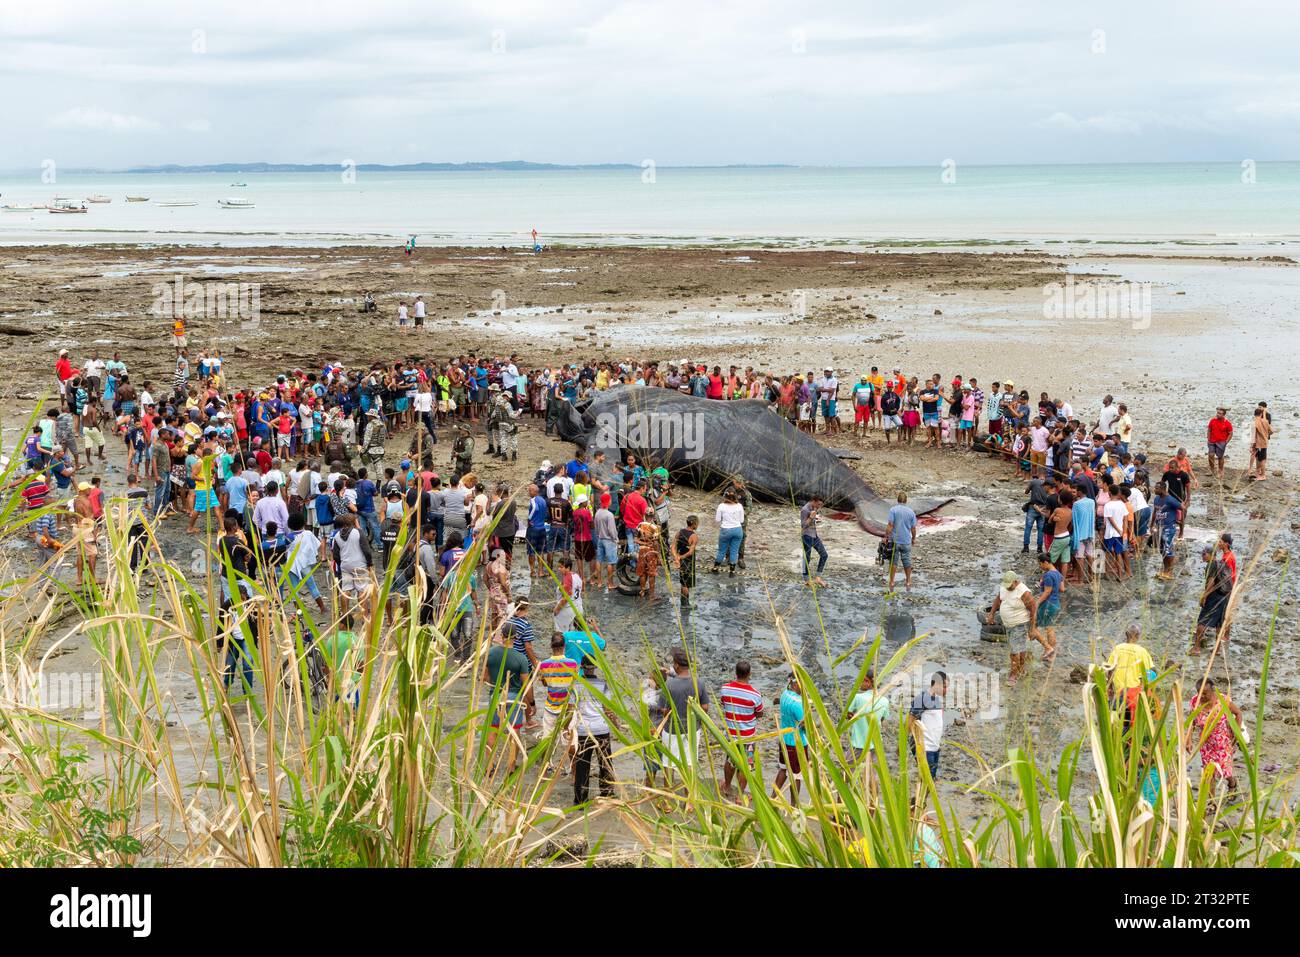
(705, 442)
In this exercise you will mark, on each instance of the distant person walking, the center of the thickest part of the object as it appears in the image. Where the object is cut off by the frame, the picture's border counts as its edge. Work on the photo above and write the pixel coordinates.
(1218, 434)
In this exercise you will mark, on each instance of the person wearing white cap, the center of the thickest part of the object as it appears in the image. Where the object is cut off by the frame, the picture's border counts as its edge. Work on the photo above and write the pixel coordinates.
(63, 371)
(1017, 609)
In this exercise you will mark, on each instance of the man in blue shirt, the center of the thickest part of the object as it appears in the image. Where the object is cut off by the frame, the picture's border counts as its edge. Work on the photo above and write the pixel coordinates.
(1083, 531)
(1049, 604)
(535, 535)
(237, 493)
(1167, 509)
(793, 739)
(576, 465)
(366, 490)
(901, 533)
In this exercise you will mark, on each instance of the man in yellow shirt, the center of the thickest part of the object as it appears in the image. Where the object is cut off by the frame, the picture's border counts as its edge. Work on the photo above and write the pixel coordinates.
(1128, 664)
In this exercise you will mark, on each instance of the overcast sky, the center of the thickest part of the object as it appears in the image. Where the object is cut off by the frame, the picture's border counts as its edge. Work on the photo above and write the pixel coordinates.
(822, 82)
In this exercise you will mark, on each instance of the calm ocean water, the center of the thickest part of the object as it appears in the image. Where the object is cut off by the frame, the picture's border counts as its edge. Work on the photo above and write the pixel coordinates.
(1142, 204)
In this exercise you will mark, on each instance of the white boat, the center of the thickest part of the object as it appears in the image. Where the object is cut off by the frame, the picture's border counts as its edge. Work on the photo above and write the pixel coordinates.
(235, 203)
(13, 208)
(137, 199)
(238, 185)
(98, 199)
(176, 202)
(68, 208)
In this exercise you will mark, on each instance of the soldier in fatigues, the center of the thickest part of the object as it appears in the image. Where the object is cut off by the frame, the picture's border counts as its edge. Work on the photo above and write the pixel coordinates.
(501, 423)
(493, 422)
(462, 451)
(554, 402)
(746, 500)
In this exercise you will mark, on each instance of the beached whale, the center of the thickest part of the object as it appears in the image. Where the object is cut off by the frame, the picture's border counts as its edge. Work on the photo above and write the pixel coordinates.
(705, 442)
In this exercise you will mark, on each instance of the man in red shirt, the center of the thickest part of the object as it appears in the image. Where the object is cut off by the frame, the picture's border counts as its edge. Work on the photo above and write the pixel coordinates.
(1218, 434)
(742, 706)
(63, 369)
(634, 509)
(1228, 555)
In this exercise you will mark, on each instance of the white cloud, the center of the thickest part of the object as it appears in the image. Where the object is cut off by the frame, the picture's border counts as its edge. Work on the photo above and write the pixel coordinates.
(1106, 123)
(93, 118)
(997, 81)
(1126, 123)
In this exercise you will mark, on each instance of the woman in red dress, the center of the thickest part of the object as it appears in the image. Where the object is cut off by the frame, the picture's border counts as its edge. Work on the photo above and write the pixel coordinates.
(1211, 729)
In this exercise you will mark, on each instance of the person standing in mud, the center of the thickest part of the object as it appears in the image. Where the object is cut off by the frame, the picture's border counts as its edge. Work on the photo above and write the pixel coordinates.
(1210, 730)
(1017, 610)
(1128, 665)
(742, 706)
(746, 501)
(812, 542)
(1048, 602)
(1263, 431)
(730, 516)
(238, 558)
(926, 714)
(674, 710)
(1218, 434)
(684, 548)
(1215, 595)
(1061, 521)
(462, 451)
(900, 532)
(794, 738)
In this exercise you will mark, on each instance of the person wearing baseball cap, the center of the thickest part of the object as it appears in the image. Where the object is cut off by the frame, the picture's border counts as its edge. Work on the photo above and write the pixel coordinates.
(1017, 610)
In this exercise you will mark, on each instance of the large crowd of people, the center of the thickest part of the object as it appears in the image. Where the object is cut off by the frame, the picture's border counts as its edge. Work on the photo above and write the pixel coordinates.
(315, 475)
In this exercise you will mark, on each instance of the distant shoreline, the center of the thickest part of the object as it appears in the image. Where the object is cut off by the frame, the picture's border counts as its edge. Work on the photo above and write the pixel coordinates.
(473, 167)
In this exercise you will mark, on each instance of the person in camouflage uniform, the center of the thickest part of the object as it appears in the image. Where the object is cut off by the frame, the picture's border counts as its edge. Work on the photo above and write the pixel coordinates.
(503, 428)
(462, 451)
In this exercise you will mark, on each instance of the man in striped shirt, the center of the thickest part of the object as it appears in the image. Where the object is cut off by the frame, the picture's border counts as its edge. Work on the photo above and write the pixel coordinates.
(742, 706)
(44, 530)
(556, 675)
(520, 632)
(1080, 447)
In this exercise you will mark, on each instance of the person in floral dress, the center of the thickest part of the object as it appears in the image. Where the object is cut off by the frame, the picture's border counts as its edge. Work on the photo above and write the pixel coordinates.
(1212, 730)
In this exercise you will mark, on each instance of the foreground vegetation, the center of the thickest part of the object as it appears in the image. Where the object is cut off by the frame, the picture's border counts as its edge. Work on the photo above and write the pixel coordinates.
(388, 764)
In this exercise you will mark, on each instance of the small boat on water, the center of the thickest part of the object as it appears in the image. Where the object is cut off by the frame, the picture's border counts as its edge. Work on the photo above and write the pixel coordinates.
(15, 208)
(238, 185)
(176, 202)
(137, 199)
(68, 209)
(235, 203)
(98, 199)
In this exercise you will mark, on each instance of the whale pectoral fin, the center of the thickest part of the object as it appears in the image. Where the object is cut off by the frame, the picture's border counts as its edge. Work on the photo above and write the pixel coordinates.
(868, 515)
(873, 516)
